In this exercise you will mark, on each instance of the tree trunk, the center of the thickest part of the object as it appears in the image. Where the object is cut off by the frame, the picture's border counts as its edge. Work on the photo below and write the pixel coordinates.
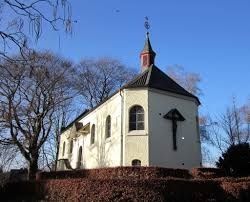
(33, 168)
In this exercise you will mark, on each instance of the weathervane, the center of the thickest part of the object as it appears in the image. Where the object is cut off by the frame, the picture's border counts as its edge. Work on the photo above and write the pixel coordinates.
(146, 24)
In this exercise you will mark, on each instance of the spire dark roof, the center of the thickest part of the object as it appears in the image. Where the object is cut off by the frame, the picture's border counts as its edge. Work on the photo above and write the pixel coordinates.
(153, 77)
(147, 46)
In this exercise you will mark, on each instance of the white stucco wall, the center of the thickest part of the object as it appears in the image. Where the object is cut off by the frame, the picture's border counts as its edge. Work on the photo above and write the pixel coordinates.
(104, 152)
(153, 146)
(136, 142)
(161, 153)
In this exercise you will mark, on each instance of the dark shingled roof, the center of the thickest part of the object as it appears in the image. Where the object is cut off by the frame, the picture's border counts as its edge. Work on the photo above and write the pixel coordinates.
(153, 77)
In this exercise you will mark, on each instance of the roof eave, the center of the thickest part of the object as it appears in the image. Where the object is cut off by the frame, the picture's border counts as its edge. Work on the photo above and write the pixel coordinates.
(146, 86)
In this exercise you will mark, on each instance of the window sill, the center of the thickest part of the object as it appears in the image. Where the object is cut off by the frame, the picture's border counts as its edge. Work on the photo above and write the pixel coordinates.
(137, 133)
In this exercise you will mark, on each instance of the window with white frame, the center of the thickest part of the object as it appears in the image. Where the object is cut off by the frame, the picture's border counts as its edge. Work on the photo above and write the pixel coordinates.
(108, 127)
(71, 145)
(63, 150)
(92, 137)
(136, 118)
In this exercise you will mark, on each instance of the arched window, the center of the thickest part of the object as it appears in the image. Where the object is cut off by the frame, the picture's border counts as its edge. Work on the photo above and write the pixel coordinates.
(79, 161)
(136, 162)
(92, 138)
(108, 127)
(136, 118)
(71, 147)
(63, 150)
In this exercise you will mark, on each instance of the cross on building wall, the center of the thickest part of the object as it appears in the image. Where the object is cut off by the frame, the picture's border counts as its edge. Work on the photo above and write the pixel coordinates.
(174, 115)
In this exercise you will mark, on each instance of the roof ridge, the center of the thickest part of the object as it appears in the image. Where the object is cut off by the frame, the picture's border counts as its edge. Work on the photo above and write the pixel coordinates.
(149, 74)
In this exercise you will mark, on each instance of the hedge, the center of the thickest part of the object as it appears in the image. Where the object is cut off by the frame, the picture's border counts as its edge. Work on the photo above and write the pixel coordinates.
(130, 184)
(117, 172)
(207, 173)
(86, 189)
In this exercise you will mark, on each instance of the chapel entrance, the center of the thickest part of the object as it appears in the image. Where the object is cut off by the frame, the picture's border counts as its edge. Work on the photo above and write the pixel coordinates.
(79, 160)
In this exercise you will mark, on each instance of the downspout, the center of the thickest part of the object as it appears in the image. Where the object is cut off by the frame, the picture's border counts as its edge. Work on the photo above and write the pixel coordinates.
(122, 106)
(57, 151)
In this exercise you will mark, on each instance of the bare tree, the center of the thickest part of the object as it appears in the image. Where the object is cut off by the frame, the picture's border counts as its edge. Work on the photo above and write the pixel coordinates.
(232, 127)
(246, 118)
(95, 80)
(211, 133)
(31, 94)
(206, 123)
(49, 151)
(188, 80)
(7, 156)
(20, 19)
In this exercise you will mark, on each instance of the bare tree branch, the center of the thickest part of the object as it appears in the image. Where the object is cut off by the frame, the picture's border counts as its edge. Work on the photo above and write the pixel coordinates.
(32, 92)
(31, 15)
(188, 80)
(95, 80)
(232, 127)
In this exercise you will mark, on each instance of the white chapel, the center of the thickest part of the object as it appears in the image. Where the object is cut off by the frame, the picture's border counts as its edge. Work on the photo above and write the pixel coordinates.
(150, 121)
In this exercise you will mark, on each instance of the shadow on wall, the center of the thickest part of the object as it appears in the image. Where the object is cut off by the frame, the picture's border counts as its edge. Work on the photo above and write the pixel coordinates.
(103, 149)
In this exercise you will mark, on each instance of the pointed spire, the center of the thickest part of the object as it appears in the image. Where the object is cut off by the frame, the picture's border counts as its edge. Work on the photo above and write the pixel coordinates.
(147, 45)
(147, 55)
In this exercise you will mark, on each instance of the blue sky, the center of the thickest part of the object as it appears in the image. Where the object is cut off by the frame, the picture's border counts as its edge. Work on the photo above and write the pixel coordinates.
(211, 38)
